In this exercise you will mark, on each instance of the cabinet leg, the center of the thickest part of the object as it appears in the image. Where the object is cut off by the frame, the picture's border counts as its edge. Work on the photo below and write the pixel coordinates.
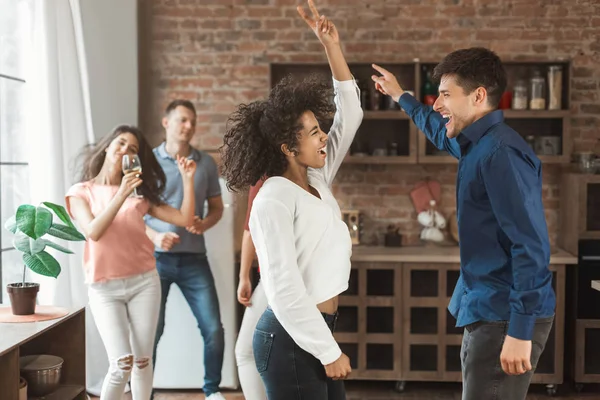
(551, 390)
(400, 386)
(578, 387)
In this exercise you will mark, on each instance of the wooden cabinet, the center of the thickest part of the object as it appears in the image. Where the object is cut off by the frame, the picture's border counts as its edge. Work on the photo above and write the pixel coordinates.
(370, 320)
(63, 337)
(388, 136)
(579, 210)
(587, 348)
(431, 341)
(394, 323)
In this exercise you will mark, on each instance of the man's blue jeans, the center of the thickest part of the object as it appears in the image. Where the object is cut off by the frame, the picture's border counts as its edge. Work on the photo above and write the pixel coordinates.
(191, 272)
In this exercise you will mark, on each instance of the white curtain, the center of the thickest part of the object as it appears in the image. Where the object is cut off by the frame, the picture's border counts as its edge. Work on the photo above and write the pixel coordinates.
(60, 125)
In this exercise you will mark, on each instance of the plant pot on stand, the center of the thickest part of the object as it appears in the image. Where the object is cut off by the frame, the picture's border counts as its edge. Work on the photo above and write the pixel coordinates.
(31, 225)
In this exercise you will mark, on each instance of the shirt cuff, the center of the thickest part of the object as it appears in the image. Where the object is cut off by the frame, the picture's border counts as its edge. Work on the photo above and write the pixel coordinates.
(330, 356)
(408, 102)
(521, 326)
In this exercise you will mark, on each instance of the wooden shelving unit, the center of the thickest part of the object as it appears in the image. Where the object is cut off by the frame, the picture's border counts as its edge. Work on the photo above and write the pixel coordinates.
(63, 337)
(384, 126)
(394, 324)
(579, 212)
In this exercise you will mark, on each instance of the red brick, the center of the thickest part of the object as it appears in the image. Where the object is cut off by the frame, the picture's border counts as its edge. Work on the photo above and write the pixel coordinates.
(264, 12)
(278, 23)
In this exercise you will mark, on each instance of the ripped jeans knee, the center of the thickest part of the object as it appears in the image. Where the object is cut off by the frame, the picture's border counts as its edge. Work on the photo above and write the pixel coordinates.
(120, 368)
(142, 362)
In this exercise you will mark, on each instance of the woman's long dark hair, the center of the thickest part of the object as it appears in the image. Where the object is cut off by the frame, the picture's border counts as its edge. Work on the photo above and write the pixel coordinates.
(153, 175)
(255, 132)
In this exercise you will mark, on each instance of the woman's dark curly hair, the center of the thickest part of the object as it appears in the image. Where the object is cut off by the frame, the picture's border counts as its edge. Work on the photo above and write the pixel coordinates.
(256, 131)
(153, 182)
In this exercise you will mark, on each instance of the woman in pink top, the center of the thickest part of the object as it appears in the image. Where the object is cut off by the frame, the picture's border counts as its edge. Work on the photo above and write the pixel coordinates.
(124, 288)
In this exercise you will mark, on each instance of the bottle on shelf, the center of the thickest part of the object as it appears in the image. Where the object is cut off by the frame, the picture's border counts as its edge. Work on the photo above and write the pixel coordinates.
(555, 79)
(429, 89)
(538, 96)
(364, 94)
(376, 99)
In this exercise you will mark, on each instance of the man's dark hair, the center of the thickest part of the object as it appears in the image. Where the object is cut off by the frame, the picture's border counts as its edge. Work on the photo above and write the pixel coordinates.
(473, 68)
(179, 102)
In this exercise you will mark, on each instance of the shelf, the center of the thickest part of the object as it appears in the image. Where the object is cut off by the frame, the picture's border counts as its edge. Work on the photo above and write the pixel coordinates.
(430, 159)
(64, 392)
(379, 160)
(548, 114)
(385, 114)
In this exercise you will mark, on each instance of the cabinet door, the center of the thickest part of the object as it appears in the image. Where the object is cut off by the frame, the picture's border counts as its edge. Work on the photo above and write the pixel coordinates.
(369, 325)
(431, 342)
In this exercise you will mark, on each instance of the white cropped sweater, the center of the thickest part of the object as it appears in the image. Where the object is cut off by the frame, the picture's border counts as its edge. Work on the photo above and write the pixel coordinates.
(302, 244)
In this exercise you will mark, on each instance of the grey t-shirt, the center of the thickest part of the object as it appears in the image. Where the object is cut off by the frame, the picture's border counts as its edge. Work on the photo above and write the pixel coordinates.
(206, 184)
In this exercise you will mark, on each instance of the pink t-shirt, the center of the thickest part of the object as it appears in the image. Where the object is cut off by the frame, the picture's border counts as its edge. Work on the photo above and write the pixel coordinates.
(124, 250)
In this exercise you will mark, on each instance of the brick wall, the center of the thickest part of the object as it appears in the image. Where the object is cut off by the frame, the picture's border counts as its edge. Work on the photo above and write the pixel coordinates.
(217, 54)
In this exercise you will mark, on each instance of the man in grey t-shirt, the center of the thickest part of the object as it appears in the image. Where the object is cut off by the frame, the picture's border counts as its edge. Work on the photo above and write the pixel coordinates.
(181, 253)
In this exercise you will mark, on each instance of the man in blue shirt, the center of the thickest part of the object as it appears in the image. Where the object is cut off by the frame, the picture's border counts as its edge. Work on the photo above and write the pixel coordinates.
(504, 296)
(181, 253)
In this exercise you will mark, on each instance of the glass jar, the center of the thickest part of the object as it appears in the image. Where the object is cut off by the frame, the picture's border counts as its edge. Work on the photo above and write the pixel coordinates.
(519, 99)
(530, 139)
(586, 162)
(555, 79)
(537, 85)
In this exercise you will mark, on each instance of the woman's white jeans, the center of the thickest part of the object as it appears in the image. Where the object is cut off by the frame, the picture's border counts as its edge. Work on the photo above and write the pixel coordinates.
(126, 314)
(251, 382)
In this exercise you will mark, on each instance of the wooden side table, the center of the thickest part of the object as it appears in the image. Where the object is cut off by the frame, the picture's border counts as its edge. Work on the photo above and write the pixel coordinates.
(63, 337)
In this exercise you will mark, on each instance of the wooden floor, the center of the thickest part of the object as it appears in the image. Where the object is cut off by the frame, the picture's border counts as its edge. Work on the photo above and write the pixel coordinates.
(385, 391)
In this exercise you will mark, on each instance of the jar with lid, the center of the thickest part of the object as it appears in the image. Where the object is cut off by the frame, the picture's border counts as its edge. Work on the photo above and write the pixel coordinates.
(555, 79)
(519, 98)
(537, 84)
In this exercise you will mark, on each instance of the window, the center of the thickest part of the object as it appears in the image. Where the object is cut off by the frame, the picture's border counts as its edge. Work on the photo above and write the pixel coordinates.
(15, 16)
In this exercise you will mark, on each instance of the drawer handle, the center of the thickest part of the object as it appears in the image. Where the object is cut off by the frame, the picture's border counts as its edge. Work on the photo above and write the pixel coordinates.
(590, 258)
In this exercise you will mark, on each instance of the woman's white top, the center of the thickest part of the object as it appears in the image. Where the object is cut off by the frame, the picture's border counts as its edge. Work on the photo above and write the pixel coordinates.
(302, 244)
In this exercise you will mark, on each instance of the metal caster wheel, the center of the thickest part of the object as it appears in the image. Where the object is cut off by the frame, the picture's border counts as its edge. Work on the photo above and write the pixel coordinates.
(400, 386)
(578, 387)
(551, 390)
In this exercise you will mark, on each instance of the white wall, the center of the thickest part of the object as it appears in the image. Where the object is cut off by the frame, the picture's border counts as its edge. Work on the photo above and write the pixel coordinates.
(110, 35)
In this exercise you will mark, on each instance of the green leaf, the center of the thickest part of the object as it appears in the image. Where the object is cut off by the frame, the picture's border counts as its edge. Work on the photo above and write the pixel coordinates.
(32, 221)
(28, 245)
(56, 246)
(11, 224)
(60, 212)
(42, 263)
(65, 232)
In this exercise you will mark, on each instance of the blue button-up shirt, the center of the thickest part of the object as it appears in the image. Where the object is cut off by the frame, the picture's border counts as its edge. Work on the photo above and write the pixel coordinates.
(206, 184)
(504, 246)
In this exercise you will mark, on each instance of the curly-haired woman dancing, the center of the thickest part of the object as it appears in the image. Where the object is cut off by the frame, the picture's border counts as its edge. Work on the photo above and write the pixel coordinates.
(302, 244)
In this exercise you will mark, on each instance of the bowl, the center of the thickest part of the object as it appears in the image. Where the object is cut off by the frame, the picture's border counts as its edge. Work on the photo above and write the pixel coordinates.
(42, 373)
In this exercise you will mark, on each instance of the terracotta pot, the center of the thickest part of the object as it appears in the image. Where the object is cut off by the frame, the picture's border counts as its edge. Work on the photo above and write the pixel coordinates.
(23, 297)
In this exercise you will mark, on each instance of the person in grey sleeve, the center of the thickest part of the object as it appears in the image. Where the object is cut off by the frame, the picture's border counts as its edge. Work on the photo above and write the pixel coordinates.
(181, 252)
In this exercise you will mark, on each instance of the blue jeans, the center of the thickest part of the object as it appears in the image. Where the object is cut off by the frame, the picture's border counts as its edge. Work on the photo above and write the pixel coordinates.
(288, 372)
(191, 272)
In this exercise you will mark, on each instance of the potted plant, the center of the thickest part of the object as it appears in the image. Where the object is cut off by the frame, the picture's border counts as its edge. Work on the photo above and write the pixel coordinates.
(31, 225)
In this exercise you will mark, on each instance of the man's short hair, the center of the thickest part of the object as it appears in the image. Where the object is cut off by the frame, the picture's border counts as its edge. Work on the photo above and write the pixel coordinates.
(475, 67)
(179, 102)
